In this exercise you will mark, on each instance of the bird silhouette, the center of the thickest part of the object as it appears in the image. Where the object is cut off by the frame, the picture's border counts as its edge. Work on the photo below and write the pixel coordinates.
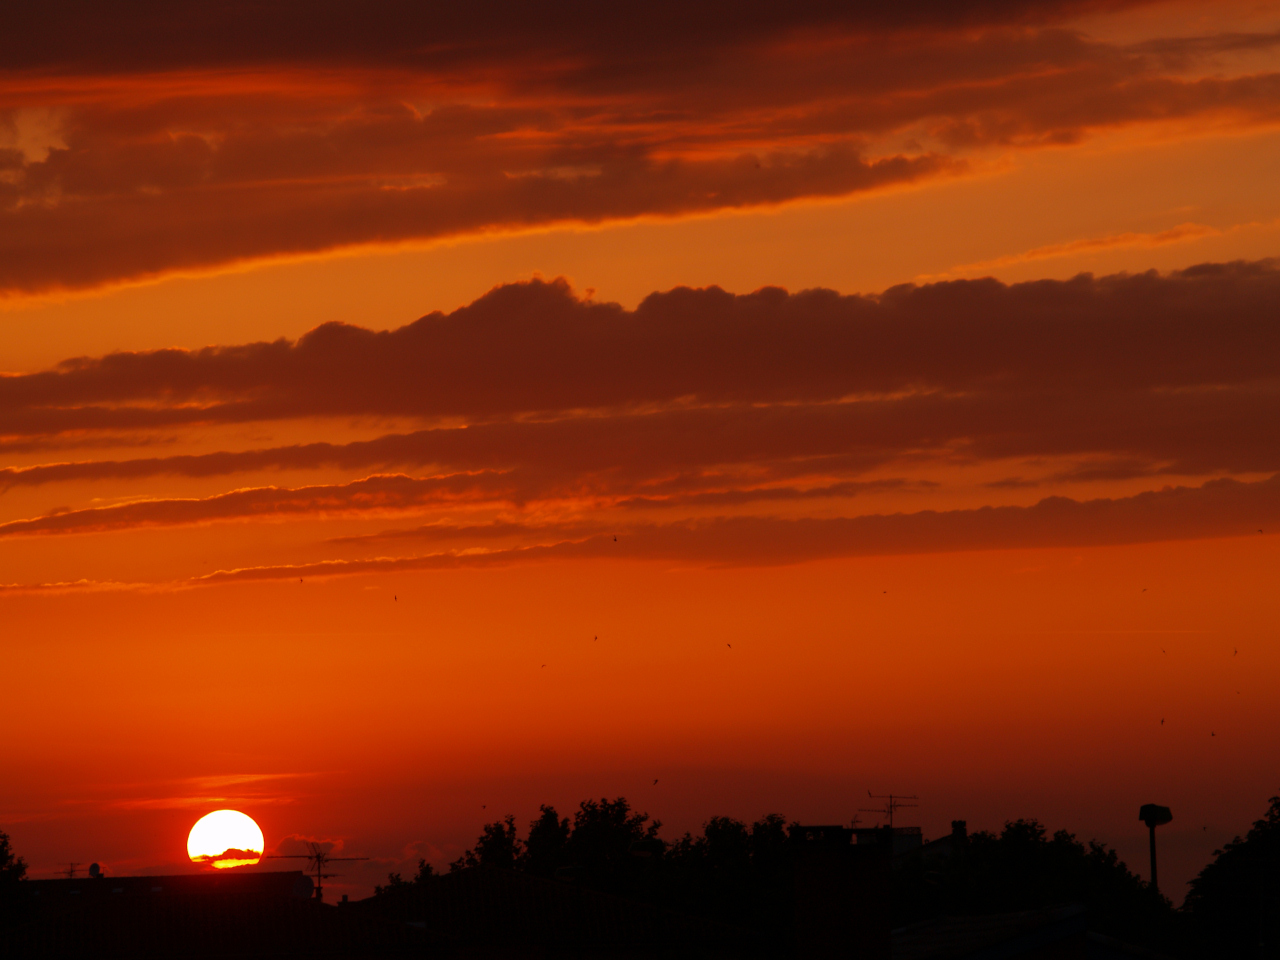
(1164, 651)
(482, 807)
(1212, 734)
(1162, 721)
(615, 538)
(729, 645)
(1235, 651)
(655, 783)
(395, 598)
(1144, 589)
(544, 666)
(595, 637)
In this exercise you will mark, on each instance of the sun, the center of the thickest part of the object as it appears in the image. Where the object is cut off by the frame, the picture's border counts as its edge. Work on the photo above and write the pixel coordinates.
(225, 838)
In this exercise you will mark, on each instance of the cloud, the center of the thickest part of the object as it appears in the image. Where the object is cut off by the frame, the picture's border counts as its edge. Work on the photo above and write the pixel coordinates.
(534, 347)
(701, 398)
(175, 140)
(125, 38)
(1179, 234)
(1219, 508)
(381, 493)
(1216, 509)
(299, 846)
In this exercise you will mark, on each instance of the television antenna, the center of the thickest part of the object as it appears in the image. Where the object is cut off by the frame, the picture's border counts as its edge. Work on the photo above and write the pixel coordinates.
(894, 802)
(69, 870)
(317, 859)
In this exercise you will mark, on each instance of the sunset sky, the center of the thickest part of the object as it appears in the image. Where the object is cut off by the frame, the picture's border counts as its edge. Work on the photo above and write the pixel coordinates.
(413, 413)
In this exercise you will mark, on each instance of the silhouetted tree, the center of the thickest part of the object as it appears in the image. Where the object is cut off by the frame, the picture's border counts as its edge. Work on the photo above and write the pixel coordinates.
(545, 850)
(743, 875)
(601, 849)
(397, 884)
(498, 846)
(12, 867)
(733, 874)
(1233, 908)
(1023, 868)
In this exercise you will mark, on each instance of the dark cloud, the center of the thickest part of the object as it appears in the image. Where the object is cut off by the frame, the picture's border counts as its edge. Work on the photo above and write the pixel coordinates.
(377, 493)
(188, 139)
(533, 347)
(1220, 508)
(1128, 375)
(151, 36)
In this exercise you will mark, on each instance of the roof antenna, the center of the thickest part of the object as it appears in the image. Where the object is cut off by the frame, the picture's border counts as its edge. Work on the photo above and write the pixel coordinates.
(69, 870)
(318, 859)
(894, 803)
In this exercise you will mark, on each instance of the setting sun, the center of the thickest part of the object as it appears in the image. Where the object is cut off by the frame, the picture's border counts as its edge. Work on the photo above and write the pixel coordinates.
(225, 838)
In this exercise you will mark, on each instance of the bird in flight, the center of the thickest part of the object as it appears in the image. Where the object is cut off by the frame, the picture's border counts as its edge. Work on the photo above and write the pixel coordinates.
(1144, 589)
(1212, 734)
(1164, 651)
(729, 645)
(1162, 721)
(655, 783)
(482, 806)
(615, 538)
(544, 666)
(597, 637)
(395, 598)
(1235, 651)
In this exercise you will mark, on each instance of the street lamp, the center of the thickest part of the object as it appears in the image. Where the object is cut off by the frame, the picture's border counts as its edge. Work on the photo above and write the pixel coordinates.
(1154, 815)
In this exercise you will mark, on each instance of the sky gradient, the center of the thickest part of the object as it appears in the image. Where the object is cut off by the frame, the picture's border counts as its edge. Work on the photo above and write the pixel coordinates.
(415, 414)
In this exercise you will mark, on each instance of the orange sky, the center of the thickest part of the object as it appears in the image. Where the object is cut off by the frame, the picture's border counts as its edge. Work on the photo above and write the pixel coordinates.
(922, 363)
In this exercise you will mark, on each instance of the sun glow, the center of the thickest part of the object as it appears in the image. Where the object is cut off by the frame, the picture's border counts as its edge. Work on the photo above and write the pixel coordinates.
(225, 838)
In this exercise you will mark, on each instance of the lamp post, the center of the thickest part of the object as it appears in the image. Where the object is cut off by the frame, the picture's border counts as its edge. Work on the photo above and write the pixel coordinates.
(1154, 815)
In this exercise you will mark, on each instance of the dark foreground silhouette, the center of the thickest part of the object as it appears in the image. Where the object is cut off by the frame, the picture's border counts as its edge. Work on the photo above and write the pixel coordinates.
(603, 884)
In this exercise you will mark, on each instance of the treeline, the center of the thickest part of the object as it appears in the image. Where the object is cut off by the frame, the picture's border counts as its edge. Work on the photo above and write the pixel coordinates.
(731, 872)
(737, 873)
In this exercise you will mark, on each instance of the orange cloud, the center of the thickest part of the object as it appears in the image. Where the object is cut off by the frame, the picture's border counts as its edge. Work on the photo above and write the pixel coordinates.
(1216, 509)
(1179, 234)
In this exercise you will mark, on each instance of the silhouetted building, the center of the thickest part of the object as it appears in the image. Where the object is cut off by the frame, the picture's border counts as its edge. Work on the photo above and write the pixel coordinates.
(226, 915)
(903, 839)
(1056, 933)
(935, 851)
(489, 912)
(842, 891)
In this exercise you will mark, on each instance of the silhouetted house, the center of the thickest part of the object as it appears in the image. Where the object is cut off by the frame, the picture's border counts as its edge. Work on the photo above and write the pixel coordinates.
(935, 852)
(226, 915)
(1057, 933)
(486, 912)
(904, 839)
(842, 892)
